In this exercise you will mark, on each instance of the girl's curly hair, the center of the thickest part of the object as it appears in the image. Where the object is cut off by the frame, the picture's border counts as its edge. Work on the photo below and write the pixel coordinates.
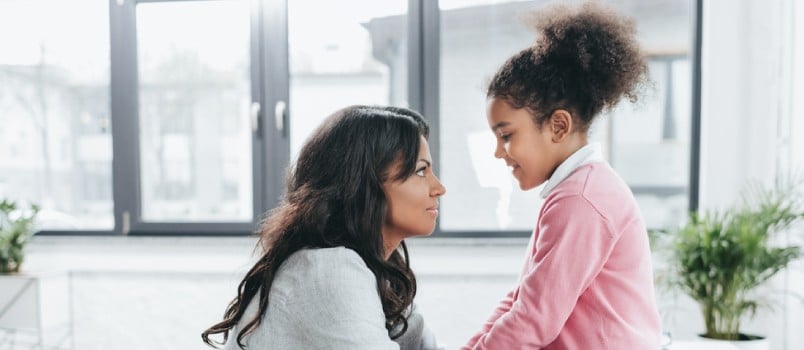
(584, 60)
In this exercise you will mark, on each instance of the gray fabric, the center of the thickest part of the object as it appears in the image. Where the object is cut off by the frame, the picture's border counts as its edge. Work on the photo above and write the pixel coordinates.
(412, 338)
(324, 299)
(417, 336)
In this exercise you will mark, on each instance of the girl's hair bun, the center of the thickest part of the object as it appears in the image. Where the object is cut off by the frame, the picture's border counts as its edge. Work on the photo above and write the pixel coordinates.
(584, 59)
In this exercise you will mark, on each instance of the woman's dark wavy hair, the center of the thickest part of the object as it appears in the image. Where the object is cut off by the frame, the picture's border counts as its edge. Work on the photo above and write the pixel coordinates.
(335, 198)
(584, 61)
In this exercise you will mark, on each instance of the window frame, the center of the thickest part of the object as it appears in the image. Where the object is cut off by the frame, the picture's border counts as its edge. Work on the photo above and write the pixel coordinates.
(270, 86)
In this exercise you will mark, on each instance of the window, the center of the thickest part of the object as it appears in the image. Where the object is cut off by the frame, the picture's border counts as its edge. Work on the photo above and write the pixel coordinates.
(648, 143)
(201, 139)
(355, 55)
(55, 141)
(194, 98)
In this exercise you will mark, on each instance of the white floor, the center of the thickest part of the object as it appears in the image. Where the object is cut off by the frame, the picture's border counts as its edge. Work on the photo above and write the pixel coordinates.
(161, 292)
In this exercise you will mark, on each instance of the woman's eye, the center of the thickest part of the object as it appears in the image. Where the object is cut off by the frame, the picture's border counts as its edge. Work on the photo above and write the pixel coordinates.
(420, 172)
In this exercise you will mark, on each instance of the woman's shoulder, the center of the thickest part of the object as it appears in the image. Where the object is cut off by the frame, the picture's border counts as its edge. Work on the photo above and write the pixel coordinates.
(327, 258)
(324, 268)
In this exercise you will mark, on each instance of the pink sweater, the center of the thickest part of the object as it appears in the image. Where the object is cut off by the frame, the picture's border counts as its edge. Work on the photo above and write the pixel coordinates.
(587, 282)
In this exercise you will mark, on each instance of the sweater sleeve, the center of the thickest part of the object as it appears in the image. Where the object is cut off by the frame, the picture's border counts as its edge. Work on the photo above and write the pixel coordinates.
(417, 336)
(341, 308)
(503, 308)
(574, 243)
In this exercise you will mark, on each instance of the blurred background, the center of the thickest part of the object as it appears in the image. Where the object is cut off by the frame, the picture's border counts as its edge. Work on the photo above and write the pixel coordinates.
(155, 134)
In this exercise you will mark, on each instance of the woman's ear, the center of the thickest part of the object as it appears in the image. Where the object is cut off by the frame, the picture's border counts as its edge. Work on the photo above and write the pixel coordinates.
(560, 124)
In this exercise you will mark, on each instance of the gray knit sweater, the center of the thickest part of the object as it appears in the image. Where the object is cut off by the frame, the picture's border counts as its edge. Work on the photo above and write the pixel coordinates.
(327, 299)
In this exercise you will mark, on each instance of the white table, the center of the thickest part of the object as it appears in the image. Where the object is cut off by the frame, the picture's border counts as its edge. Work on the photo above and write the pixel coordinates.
(700, 345)
(36, 310)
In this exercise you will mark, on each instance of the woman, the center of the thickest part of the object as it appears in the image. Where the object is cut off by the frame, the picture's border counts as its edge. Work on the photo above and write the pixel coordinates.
(335, 272)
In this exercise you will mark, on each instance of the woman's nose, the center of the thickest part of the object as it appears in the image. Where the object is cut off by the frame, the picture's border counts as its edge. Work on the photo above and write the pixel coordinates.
(438, 188)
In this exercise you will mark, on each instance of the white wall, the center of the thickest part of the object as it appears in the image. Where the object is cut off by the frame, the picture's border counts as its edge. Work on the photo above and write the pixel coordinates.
(742, 89)
(797, 121)
(752, 129)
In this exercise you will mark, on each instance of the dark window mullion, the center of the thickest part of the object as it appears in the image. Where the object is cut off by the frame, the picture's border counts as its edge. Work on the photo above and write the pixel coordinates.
(423, 68)
(695, 126)
(257, 92)
(276, 83)
(124, 111)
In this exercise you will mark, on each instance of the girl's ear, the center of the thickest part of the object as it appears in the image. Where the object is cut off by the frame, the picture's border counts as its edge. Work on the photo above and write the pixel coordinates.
(560, 124)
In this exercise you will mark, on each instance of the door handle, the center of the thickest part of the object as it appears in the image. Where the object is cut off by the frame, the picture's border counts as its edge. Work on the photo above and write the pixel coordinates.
(255, 118)
(279, 116)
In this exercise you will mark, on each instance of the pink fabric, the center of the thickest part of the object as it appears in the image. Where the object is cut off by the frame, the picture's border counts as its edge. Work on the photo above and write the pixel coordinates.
(587, 282)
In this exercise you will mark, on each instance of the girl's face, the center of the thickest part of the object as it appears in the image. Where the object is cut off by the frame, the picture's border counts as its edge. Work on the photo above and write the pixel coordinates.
(530, 151)
(412, 202)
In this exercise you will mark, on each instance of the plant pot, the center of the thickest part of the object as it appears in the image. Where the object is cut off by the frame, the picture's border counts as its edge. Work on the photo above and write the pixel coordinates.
(9, 267)
(746, 342)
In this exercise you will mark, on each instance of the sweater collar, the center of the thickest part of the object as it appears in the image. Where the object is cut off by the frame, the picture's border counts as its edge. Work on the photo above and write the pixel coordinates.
(587, 154)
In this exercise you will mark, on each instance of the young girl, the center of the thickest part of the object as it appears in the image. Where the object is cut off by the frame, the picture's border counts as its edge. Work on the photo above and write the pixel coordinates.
(587, 281)
(334, 273)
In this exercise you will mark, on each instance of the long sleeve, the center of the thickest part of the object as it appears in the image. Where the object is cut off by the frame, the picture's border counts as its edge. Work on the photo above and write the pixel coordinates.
(502, 308)
(417, 336)
(572, 245)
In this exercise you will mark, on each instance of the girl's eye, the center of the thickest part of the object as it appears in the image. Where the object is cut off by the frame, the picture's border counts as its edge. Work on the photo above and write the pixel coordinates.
(505, 137)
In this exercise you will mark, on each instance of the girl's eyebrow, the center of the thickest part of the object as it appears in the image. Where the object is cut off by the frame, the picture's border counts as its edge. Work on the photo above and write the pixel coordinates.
(499, 125)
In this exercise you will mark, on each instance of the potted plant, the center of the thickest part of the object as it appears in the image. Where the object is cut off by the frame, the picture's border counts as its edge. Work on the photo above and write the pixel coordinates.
(720, 258)
(16, 227)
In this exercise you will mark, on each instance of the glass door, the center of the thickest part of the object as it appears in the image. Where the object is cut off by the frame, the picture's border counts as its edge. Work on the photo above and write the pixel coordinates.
(194, 101)
(361, 58)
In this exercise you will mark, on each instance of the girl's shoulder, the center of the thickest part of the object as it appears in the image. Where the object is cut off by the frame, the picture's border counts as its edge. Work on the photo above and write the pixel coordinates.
(597, 188)
(592, 180)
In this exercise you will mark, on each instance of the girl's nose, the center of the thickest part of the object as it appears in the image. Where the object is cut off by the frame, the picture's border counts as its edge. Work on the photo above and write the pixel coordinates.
(499, 152)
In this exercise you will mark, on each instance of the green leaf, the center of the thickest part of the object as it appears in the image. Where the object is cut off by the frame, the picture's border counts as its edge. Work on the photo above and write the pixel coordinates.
(16, 228)
(721, 257)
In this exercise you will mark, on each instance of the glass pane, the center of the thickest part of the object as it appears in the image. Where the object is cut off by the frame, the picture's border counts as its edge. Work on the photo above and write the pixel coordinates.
(55, 139)
(194, 95)
(476, 37)
(344, 53)
(648, 143)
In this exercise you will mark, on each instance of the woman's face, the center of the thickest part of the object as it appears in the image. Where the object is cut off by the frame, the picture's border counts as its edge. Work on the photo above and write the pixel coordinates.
(412, 202)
